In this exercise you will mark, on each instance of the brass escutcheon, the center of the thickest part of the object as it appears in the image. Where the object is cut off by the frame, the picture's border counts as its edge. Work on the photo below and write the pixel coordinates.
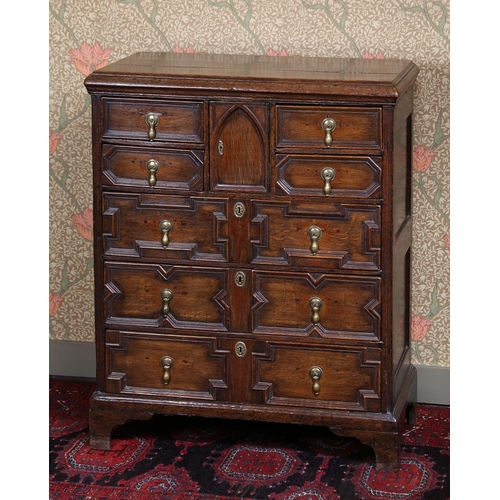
(240, 349)
(240, 279)
(239, 209)
(220, 147)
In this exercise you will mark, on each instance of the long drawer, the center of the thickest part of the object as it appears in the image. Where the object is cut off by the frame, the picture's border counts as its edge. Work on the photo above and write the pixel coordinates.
(334, 236)
(218, 300)
(269, 373)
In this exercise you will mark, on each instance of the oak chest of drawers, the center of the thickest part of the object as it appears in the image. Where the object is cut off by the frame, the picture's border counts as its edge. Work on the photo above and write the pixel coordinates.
(252, 221)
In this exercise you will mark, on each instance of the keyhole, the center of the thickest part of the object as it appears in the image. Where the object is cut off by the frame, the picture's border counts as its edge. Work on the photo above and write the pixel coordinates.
(241, 349)
(239, 210)
(240, 279)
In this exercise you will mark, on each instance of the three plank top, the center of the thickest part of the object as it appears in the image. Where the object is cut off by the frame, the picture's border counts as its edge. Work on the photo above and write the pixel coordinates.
(385, 78)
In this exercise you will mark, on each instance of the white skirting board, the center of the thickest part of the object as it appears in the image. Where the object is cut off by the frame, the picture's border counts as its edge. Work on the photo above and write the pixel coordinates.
(77, 359)
(433, 384)
(72, 359)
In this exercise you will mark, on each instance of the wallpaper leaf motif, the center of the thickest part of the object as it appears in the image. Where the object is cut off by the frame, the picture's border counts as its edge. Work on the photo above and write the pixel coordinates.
(438, 136)
(151, 19)
(245, 22)
(64, 121)
(422, 159)
(61, 181)
(439, 27)
(86, 58)
(339, 24)
(60, 16)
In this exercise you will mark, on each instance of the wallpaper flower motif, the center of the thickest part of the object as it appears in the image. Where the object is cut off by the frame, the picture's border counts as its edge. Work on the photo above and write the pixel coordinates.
(84, 223)
(89, 58)
(88, 34)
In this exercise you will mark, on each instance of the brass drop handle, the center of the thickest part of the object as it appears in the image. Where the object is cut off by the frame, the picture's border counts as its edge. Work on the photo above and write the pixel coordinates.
(166, 296)
(328, 125)
(314, 233)
(165, 227)
(315, 372)
(152, 121)
(327, 174)
(315, 304)
(152, 166)
(166, 363)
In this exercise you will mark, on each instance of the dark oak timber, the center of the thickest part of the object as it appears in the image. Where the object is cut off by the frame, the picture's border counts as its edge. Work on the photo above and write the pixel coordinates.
(252, 242)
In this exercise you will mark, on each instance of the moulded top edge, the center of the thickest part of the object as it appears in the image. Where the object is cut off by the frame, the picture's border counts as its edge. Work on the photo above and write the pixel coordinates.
(370, 77)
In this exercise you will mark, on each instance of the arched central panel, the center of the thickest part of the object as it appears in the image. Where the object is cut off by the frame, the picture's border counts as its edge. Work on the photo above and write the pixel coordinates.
(239, 150)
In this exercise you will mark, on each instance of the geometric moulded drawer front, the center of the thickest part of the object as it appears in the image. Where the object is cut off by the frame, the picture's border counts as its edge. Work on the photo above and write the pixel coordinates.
(353, 128)
(180, 367)
(332, 176)
(153, 169)
(345, 237)
(345, 378)
(171, 120)
(163, 227)
(322, 305)
(154, 296)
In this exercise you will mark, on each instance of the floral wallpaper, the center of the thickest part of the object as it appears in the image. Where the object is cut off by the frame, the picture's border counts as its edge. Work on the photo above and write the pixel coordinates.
(88, 34)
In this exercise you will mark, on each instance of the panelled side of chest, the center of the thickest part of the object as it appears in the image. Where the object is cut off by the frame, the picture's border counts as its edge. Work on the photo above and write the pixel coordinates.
(403, 372)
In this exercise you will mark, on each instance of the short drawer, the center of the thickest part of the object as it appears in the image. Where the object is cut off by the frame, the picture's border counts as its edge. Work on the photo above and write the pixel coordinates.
(153, 120)
(153, 169)
(165, 297)
(333, 176)
(343, 378)
(300, 304)
(337, 236)
(187, 368)
(353, 128)
(161, 227)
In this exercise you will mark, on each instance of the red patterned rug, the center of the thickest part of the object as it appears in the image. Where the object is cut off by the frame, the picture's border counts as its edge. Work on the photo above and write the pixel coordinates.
(193, 458)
